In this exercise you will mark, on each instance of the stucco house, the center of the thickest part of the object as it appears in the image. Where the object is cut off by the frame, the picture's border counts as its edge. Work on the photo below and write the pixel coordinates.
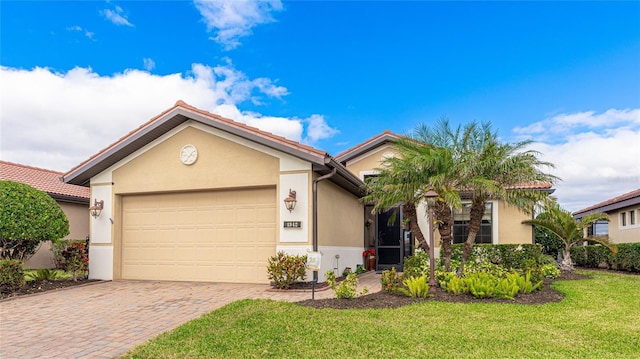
(193, 196)
(623, 211)
(74, 201)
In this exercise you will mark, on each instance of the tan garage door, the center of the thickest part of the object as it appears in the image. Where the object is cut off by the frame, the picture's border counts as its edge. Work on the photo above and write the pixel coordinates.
(218, 236)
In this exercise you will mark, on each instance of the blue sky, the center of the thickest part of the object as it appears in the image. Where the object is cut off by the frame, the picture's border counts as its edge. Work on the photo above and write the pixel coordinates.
(78, 75)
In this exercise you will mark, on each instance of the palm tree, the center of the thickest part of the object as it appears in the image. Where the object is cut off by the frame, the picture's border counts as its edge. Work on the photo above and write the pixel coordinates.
(562, 224)
(405, 180)
(499, 171)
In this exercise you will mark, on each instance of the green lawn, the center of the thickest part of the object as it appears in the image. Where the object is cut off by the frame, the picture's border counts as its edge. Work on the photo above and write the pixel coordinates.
(599, 318)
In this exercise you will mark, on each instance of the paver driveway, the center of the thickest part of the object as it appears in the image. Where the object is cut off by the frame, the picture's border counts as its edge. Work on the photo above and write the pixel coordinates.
(108, 319)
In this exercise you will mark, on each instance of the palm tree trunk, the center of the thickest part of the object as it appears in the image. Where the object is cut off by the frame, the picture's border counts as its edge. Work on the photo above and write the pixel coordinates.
(409, 210)
(475, 220)
(567, 263)
(444, 216)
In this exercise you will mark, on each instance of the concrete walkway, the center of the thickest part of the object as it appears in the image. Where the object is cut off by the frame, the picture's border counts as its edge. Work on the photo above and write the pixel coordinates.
(108, 319)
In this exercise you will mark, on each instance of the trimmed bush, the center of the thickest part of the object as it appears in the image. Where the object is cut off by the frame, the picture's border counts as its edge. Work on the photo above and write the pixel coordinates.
(285, 269)
(596, 256)
(416, 265)
(11, 275)
(509, 256)
(28, 217)
(390, 280)
(348, 288)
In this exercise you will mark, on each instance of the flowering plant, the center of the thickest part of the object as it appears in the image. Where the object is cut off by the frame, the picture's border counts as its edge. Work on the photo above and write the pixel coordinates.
(369, 251)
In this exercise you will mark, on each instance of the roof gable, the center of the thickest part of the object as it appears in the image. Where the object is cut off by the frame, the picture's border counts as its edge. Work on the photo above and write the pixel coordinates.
(44, 180)
(368, 145)
(181, 112)
(624, 200)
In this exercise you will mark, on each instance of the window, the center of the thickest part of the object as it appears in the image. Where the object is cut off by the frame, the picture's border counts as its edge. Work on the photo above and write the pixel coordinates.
(461, 225)
(623, 219)
(632, 217)
(598, 228)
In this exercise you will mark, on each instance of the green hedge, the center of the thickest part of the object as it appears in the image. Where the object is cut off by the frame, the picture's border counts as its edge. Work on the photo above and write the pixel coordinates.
(596, 256)
(507, 255)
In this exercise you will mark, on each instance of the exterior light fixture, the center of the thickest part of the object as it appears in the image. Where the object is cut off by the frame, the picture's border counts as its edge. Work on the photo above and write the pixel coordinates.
(96, 209)
(290, 202)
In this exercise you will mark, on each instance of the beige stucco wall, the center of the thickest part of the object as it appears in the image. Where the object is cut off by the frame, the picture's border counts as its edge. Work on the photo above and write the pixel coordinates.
(340, 217)
(627, 234)
(510, 229)
(220, 164)
(369, 161)
(78, 216)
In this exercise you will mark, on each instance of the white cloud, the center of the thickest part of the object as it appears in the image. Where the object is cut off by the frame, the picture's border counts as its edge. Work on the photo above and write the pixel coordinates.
(116, 16)
(318, 129)
(148, 64)
(597, 156)
(57, 120)
(86, 32)
(233, 19)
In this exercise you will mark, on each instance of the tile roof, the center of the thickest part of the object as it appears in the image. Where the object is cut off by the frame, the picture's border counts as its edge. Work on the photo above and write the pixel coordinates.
(621, 201)
(373, 142)
(42, 179)
(211, 117)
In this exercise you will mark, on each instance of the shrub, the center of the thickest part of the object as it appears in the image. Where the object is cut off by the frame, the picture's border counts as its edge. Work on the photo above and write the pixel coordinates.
(390, 280)
(417, 287)
(509, 256)
(453, 284)
(347, 289)
(593, 256)
(416, 265)
(285, 269)
(44, 274)
(550, 271)
(11, 275)
(627, 258)
(525, 284)
(75, 259)
(28, 217)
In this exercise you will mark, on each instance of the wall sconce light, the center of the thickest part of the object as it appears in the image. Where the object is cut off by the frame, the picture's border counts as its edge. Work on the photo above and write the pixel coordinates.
(290, 202)
(96, 209)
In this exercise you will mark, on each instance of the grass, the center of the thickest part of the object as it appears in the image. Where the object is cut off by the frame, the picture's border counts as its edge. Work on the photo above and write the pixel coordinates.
(599, 318)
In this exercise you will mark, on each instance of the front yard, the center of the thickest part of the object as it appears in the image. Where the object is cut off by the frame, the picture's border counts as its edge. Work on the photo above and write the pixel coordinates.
(599, 318)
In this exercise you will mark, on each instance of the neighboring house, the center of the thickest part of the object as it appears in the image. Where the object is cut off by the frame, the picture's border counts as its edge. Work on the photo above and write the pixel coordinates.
(624, 221)
(501, 223)
(74, 201)
(193, 196)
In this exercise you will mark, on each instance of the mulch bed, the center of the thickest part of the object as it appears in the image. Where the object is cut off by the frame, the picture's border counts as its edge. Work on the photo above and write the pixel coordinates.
(382, 299)
(35, 287)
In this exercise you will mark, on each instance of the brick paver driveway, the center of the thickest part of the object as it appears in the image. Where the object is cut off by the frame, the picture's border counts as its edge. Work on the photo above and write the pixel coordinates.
(108, 319)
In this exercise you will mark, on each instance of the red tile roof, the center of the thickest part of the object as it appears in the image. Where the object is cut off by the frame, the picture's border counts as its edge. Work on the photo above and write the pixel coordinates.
(44, 180)
(212, 117)
(610, 204)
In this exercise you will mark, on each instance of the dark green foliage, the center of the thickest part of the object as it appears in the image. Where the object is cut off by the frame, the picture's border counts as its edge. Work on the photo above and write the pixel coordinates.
(390, 280)
(285, 269)
(551, 244)
(44, 274)
(75, 257)
(509, 256)
(626, 259)
(416, 265)
(11, 275)
(28, 217)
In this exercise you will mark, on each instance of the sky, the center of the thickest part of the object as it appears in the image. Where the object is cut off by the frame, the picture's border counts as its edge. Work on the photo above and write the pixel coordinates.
(76, 76)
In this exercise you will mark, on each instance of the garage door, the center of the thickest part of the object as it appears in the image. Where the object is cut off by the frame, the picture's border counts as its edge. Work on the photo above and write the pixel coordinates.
(218, 236)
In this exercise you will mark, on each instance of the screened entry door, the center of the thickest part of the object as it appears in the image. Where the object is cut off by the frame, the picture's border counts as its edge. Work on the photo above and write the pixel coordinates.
(391, 246)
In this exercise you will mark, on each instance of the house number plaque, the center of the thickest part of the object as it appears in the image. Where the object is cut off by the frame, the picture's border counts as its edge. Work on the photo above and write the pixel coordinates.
(292, 224)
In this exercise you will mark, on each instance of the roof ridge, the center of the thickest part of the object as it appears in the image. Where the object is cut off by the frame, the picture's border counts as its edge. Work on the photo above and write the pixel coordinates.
(628, 195)
(30, 167)
(370, 140)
